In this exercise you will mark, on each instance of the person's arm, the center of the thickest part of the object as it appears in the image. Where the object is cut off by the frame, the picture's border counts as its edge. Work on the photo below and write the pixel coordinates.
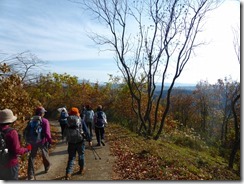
(92, 121)
(95, 118)
(105, 118)
(12, 140)
(47, 131)
(92, 112)
(85, 129)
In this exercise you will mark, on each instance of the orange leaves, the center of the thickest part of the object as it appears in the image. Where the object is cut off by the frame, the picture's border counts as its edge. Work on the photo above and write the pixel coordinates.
(131, 166)
(13, 96)
(142, 159)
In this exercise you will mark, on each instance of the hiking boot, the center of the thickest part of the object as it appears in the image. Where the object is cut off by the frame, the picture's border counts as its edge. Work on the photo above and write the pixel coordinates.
(98, 144)
(68, 176)
(47, 169)
(82, 171)
(31, 178)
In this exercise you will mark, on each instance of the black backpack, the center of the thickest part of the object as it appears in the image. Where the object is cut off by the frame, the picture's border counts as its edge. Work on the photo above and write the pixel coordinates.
(33, 132)
(100, 120)
(74, 130)
(4, 154)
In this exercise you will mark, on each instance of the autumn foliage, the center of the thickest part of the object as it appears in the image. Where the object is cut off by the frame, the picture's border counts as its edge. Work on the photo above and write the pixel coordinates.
(142, 159)
(188, 125)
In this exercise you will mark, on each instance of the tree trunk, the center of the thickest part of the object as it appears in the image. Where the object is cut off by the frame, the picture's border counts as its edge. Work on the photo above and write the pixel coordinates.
(233, 153)
(237, 133)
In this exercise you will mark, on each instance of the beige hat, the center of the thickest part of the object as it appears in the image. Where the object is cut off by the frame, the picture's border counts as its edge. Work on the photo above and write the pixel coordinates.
(7, 116)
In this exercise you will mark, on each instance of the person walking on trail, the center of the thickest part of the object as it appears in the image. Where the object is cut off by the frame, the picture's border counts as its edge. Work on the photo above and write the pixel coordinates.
(76, 133)
(89, 116)
(38, 134)
(9, 165)
(100, 121)
(63, 121)
(83, 112)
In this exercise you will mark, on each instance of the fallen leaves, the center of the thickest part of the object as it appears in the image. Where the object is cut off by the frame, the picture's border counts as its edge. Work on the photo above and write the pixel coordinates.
(141, 159)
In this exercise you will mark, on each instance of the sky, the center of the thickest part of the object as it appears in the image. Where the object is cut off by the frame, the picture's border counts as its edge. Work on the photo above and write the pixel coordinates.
(56, 32)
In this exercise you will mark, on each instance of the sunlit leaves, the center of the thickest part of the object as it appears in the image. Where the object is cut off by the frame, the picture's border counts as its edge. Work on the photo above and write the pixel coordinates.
(141, 159)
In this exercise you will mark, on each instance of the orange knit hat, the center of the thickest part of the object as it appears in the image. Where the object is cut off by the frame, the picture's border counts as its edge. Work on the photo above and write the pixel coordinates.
(74, 111)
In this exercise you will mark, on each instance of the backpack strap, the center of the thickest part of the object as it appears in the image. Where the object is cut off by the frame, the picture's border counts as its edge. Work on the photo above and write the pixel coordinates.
(6, 130)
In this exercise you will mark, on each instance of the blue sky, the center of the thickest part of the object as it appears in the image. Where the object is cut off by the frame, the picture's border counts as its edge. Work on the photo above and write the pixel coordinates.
(56, 31)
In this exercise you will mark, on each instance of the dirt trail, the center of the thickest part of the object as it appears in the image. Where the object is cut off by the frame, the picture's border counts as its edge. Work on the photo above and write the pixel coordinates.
(96, 169)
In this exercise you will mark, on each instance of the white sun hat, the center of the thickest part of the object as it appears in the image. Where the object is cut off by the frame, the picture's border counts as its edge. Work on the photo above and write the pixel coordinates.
(7, 116)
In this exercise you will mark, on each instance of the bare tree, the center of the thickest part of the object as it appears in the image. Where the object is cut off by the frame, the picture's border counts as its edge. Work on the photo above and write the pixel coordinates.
(25, 64)
(152, 41)
(236, 42)
(235, 101)
(236, 110)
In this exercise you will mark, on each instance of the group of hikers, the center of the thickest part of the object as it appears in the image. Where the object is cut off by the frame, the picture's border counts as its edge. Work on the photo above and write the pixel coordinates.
(76, 128)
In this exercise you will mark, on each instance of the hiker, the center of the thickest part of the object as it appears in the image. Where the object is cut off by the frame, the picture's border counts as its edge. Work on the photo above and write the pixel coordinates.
(63, 121)
(83, 112)
(38, 134)
(9, 165)
(89, 115)
(100, 121)
(76, 133)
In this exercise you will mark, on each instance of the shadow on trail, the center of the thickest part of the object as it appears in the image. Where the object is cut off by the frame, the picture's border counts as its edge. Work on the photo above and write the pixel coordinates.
(63, 177)
(59, 153)
(40, 173)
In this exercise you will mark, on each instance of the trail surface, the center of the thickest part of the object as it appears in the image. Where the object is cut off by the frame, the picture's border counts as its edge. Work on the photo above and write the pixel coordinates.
(96, 169)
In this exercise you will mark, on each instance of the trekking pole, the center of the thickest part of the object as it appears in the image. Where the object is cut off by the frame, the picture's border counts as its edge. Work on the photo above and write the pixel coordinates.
(95, 153)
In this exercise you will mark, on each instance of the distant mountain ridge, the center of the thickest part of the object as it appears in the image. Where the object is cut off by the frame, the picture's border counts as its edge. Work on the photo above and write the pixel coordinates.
(185, 88)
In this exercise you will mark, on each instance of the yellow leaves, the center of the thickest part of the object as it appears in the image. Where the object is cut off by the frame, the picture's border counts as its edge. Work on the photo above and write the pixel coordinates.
(13, 96)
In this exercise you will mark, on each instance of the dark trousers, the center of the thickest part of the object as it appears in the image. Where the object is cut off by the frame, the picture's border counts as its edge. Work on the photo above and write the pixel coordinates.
(99, 134)
(90, 127)
(63, 126)
(9, 173)
(31, 161)
(72, 149)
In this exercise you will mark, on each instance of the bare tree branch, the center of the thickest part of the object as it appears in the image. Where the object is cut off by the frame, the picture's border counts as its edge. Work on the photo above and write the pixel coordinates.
(149, 39)
(25, 64)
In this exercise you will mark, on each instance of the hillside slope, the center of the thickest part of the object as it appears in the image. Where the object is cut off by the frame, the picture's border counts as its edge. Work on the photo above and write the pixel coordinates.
(141, 159)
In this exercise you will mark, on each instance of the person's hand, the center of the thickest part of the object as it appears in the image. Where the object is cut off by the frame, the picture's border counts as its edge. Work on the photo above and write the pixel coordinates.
(90, 143)
(29, 147)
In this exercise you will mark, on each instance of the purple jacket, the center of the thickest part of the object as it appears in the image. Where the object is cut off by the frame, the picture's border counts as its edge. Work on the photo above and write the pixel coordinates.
(13, 146)
(47, 131)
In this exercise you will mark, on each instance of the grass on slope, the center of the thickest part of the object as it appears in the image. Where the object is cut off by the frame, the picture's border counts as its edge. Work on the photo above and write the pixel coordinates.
(141, 159)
